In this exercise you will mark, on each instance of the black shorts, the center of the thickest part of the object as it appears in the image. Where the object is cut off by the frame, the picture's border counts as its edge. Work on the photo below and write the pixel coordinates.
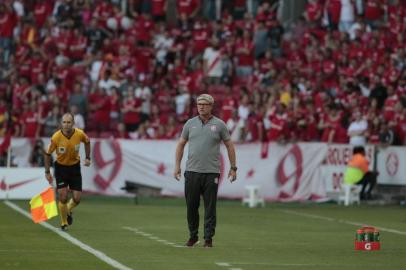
(68, 176)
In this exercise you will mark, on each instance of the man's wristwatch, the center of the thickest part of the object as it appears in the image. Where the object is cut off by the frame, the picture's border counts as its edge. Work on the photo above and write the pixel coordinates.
(234, 168)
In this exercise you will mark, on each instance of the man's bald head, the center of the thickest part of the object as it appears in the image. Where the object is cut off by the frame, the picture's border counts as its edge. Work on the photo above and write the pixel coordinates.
(68, 120)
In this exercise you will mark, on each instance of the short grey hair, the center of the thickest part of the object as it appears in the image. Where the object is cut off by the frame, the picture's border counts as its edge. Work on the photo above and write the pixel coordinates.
(206, 97)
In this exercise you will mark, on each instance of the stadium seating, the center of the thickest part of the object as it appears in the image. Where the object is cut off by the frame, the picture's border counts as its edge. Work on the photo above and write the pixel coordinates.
(60, 52)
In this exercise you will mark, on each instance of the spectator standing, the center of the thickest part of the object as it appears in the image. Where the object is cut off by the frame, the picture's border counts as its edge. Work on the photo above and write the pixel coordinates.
(131, 111)
(347, 15)
(79, 119)
(79, 99)
(212, 64)
(37, 154)
(261, 39)
(8, 21)
(52, 122)
(143, 92)
(30, 126)
(357, 129)
(245, 54)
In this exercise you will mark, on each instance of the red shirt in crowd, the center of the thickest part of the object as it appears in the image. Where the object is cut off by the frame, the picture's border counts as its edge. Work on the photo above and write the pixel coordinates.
(42, 10)
(278, 122)
(158, 7)
(227, 108)
(200, 39)
(77, 47)
(8, 21)
(313, 11)
(29, 121)
(373, 134)
(245, 59)
(255, 126)
(333, 124)
(38, 66)
(187, 6)
(62, 42)
(21, 52)
(20, 92)
(400, 129)
(373, 9)
(334, 8)
(389, 107)
(144, 28)
(101, 104)
(143, 57)
(131, 117)
(102, 12)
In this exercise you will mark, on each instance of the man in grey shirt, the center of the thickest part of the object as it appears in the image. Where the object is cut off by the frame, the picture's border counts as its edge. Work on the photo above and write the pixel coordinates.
(204, 134)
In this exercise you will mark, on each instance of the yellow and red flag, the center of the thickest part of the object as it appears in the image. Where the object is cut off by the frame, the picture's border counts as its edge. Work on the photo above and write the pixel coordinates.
(43, 206)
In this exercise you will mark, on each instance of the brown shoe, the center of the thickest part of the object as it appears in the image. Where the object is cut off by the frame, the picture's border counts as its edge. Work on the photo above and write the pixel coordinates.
(192, 242)
(208, 243)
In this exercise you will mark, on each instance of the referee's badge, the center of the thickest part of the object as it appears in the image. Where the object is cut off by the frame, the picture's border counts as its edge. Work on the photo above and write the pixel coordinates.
(216, 180)
(61, 150)
(213, 128)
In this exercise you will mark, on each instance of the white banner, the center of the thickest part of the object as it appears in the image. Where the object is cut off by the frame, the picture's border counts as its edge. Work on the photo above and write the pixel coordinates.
(21, 183)
(391, 172)
(284, 173)
(288, 173)
(291, 172)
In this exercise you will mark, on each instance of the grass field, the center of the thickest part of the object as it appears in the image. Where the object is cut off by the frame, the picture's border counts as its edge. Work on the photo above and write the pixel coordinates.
(149, 236)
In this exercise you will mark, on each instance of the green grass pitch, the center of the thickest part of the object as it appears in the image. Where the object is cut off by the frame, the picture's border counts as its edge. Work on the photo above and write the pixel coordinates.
(279, 236)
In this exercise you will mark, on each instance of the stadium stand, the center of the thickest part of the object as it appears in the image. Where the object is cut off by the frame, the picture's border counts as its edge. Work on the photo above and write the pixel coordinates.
(133, 68)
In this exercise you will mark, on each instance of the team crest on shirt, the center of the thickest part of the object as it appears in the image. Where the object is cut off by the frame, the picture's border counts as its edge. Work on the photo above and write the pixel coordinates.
(61, 150)
(216, 180)
(213, 128)
(77, 147)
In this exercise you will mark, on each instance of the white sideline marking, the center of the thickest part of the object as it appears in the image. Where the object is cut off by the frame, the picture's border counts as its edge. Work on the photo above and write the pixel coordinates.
(278, 264)
(228, 265)
(342, 221)
(100, 255)
(223, 264)
(152, 237)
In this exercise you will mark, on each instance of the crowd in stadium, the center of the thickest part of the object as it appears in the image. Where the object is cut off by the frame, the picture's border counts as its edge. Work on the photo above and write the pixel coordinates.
(132, 68)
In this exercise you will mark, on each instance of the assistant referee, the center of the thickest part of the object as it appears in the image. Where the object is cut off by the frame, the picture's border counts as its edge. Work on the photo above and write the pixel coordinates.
(66, 143)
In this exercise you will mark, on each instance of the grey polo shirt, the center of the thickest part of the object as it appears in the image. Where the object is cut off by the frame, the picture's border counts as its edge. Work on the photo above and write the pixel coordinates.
(204, 144)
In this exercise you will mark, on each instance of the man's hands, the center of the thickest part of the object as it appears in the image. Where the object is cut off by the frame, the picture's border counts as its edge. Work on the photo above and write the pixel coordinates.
(87, 162)
(177, 173)
(49, 177)
(232, 175)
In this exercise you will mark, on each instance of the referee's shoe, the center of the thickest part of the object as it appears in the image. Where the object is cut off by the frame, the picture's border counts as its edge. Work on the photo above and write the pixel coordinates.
(70, 218)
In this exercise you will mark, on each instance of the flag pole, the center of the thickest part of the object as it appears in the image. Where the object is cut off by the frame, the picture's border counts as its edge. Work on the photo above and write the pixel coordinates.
(9, 156)
(6, 190)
